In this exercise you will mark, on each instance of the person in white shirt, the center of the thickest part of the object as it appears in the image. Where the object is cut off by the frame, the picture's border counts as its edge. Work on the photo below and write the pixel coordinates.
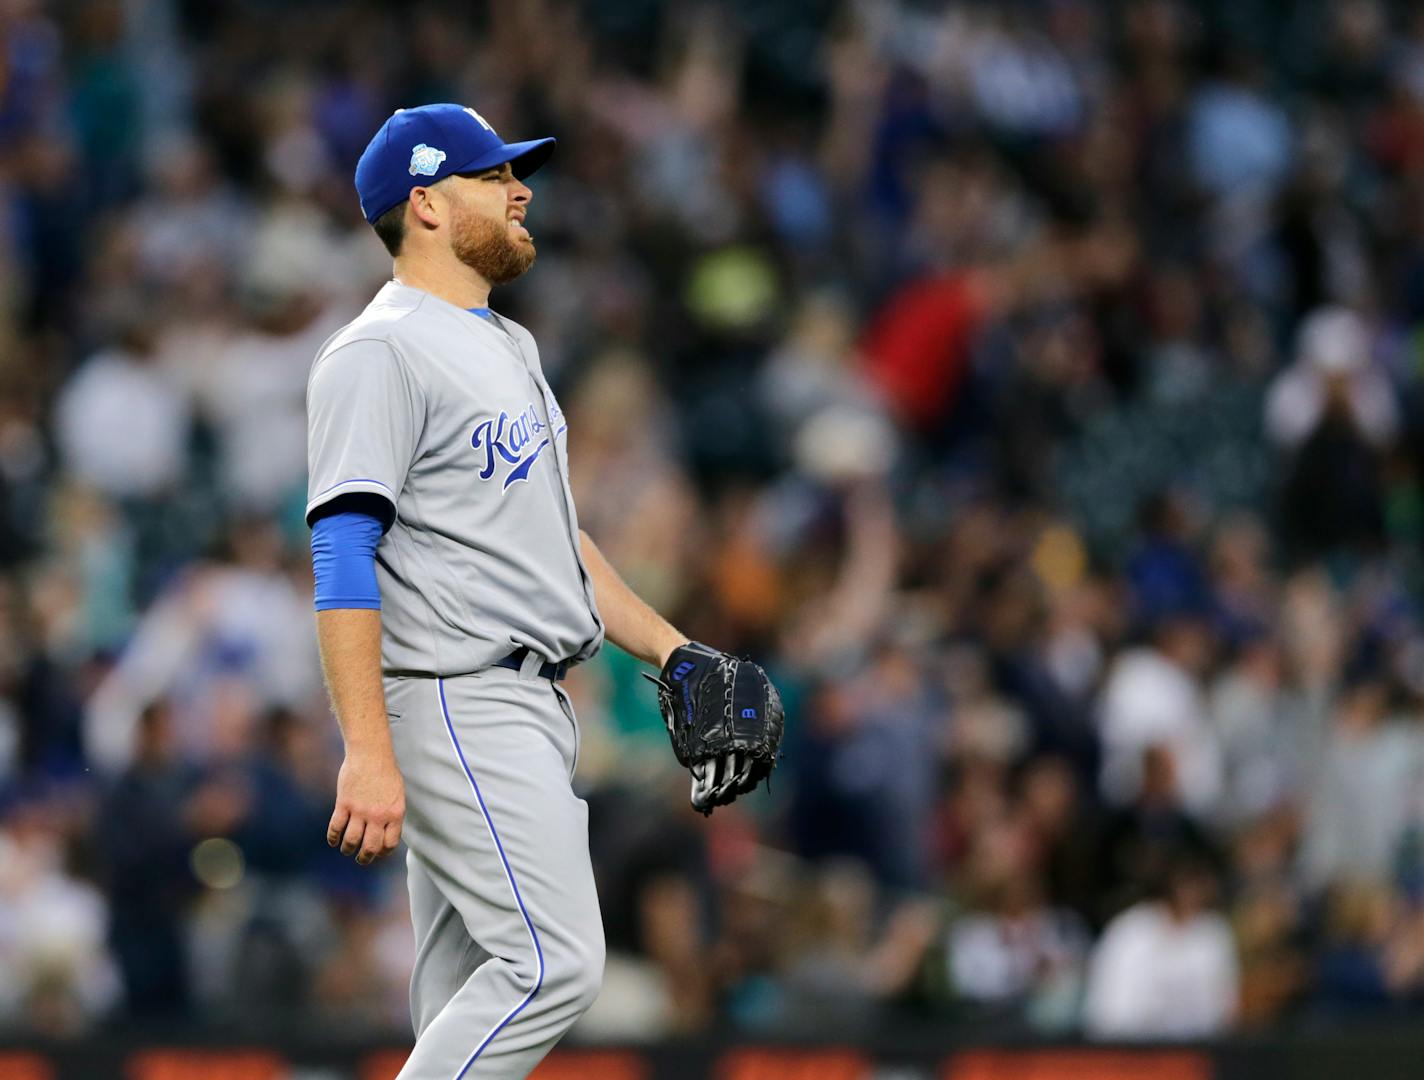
(121, 424)
(1165, 969)
(1153, 697)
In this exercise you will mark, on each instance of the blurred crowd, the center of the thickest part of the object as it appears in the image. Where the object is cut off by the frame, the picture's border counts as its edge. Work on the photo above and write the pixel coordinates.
(1034, 387)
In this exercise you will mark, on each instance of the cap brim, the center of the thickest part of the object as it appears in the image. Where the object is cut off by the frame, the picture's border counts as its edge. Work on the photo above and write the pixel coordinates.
(524, 157)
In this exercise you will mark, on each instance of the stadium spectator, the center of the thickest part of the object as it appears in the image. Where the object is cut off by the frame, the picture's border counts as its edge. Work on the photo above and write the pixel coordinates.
(122, 425)
(1165, 969)
(1152, 699)
(60, 979)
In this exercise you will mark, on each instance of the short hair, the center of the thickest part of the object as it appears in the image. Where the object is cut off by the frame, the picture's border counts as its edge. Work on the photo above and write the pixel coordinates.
(390, 227)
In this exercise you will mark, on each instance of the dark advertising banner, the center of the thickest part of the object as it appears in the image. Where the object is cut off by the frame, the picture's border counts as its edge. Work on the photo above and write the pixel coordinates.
(1383, 1057)
(100, 1061)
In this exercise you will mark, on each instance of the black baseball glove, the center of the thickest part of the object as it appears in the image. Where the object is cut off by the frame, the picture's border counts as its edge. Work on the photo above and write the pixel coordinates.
(725, 721)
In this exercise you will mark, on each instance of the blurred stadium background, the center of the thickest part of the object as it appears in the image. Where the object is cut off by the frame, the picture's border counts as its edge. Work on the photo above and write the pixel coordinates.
(1035, 387)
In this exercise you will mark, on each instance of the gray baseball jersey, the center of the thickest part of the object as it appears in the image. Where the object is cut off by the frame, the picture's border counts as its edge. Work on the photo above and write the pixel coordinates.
(447, 415)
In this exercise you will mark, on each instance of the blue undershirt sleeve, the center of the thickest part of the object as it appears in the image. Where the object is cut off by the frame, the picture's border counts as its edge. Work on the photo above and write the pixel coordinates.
(343, 550)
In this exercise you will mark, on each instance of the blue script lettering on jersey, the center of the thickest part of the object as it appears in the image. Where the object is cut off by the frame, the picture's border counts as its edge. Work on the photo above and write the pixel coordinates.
(515, 441)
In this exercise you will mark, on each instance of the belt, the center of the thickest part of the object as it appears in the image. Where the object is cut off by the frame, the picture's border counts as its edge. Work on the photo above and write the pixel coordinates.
(547, 670)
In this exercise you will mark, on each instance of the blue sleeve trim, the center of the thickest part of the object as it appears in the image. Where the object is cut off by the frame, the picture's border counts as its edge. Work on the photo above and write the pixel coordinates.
(344, 561)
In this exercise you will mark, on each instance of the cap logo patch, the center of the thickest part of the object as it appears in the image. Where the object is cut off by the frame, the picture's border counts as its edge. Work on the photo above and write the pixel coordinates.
(482, 121)
(425, 160)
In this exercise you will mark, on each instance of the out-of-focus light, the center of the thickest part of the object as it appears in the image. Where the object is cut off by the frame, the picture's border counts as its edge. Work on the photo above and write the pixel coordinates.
(217, 863)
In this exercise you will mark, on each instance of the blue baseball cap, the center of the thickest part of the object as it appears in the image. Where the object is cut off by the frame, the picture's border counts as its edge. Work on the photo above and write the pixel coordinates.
(419, 146)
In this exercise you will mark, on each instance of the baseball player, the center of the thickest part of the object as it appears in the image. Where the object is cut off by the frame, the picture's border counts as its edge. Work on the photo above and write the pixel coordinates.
(454, 589)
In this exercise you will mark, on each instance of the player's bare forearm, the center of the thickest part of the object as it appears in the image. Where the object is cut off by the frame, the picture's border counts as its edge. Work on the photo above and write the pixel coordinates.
(628, 622)
(350, 643)
(370, 795)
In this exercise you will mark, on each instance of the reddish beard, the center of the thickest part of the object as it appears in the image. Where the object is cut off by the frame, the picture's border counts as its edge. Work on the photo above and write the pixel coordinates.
(487, 248)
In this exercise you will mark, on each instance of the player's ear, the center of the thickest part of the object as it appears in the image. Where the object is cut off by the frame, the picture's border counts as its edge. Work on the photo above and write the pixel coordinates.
(427, 207)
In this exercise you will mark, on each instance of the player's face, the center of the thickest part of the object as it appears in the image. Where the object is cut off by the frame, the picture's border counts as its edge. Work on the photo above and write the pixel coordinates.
(487, 230)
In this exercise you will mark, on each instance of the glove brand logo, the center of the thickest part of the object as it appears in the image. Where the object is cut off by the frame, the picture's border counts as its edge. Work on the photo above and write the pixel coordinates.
(513, 442)
(425, 160)
(730, 745)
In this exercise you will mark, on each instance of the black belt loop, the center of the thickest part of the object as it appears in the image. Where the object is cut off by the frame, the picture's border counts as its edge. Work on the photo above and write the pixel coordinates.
(547, 670)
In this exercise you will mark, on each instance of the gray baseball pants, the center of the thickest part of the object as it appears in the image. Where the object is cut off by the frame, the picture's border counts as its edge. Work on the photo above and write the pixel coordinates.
(509, 938)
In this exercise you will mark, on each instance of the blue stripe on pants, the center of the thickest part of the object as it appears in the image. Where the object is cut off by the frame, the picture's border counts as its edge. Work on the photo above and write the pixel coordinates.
(513, 885)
